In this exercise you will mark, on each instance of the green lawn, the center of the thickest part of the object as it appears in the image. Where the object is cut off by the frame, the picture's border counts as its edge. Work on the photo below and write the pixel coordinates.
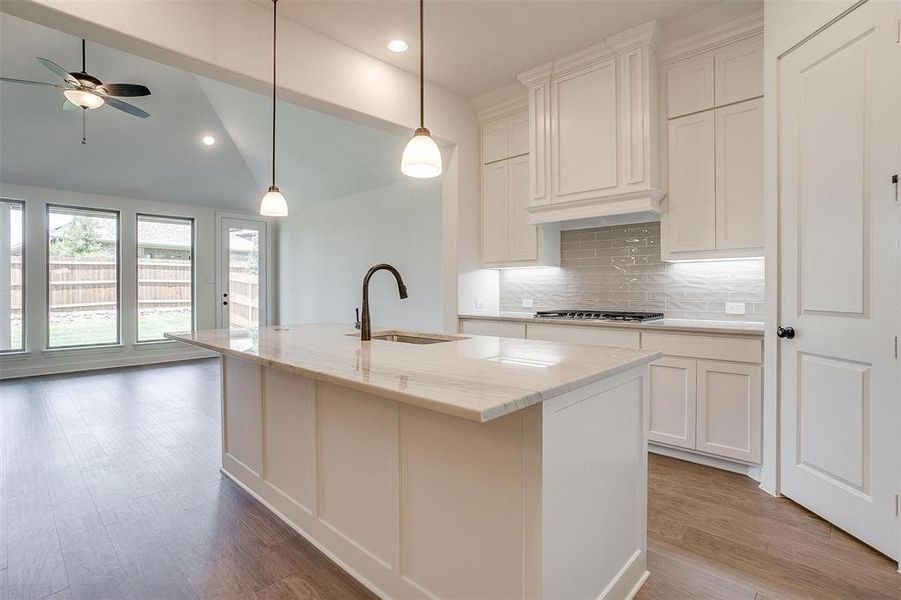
(79, 329)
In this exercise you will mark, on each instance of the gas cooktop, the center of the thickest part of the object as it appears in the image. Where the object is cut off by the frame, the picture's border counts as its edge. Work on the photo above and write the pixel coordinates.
(599, 315)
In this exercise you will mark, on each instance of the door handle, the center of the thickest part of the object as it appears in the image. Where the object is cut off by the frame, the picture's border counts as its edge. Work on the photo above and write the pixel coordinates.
(787, 333)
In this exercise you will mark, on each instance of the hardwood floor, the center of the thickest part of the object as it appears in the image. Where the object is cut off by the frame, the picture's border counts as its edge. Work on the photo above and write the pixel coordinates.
(111, 489)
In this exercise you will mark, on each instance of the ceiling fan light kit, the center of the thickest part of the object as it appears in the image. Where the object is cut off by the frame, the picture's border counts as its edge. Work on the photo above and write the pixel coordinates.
(273, 203)
(421, 158)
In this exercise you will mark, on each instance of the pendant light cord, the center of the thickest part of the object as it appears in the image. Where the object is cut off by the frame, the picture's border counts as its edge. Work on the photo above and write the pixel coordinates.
(83, 69)
(421, 66)
(274, 53)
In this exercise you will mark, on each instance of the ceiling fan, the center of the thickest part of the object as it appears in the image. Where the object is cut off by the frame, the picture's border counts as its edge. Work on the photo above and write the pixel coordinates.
(85, 91)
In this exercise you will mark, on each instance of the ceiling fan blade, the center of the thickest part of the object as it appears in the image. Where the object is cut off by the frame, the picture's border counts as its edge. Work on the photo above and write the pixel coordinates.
(58, 70)
(27, 82)
(126, 107)
(124, 90)
(68, 106)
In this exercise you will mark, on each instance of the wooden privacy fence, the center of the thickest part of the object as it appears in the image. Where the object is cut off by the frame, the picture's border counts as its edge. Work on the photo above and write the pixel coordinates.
(78, 284)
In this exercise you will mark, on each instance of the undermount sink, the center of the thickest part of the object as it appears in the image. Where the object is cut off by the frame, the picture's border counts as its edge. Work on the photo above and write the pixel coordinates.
(412, 338)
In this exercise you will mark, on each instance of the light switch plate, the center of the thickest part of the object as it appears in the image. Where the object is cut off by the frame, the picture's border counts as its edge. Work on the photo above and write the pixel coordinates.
(735, 308)
(527, 303)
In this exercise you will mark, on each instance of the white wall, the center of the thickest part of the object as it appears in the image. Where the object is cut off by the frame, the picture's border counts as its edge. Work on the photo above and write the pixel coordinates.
(325, 251)
(37, 360)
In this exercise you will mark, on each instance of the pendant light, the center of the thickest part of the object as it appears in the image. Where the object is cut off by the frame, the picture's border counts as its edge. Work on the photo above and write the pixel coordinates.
(273, 203)
(421, 158)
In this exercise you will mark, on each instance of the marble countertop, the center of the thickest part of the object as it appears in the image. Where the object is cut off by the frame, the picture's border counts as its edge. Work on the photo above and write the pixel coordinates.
(749, 328)
(474, 377)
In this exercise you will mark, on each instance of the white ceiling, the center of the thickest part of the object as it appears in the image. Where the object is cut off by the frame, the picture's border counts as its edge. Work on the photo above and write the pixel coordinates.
(161, 158)
(475, 46)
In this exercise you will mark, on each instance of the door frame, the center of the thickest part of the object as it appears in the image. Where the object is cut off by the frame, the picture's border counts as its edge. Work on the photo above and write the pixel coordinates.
(269, 297)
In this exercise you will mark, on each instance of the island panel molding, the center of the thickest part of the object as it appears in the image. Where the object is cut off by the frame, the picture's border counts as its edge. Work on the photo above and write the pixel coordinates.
(547, 501)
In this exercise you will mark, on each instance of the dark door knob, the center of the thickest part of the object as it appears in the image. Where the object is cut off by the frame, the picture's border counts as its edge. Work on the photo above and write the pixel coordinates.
(787, 333)
(225, 303)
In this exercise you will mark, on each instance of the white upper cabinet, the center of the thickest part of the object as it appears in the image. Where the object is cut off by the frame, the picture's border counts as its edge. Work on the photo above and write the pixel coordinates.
(690, 209)
(738, 72)
(739, 175)
(508, 239)
(591, 133)
(714, 160)
(689, 86)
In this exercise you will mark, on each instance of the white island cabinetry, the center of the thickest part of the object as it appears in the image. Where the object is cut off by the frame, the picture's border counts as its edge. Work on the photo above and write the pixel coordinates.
(476, 467)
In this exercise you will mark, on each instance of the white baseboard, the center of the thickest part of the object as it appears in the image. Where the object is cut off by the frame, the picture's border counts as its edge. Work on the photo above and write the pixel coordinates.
(752, 471)
(71, 363)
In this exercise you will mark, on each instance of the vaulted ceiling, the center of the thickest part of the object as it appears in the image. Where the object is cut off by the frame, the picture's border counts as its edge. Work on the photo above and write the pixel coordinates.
(162, 158)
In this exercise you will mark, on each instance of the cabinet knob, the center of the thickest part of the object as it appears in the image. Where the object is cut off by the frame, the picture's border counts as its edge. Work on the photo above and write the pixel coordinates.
(787, 333)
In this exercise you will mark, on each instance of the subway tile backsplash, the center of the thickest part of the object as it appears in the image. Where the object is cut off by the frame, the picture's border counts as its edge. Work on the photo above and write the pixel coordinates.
(619, 268)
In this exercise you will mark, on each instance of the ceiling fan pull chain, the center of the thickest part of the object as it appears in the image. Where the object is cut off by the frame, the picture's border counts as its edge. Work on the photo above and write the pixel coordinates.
(84, 137)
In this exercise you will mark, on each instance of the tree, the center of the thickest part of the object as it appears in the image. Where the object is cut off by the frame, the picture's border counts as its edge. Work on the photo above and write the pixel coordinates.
(78, 239)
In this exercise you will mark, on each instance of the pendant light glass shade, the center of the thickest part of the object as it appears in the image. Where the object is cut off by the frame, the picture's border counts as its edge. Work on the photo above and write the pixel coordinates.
(422, 158)
(273, 204)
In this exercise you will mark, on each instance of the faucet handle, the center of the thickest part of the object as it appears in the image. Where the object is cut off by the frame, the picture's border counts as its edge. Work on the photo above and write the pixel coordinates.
(358, 325)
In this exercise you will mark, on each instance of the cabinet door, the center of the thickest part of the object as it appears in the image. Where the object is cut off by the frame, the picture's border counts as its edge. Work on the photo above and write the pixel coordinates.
(729, 406)
(689, 86)
(584, 136)
(673, 399)
(739, 175)
(519, 134)
(690, 214)
(585, 334)
(523, 237)
(738, 72)
(495, 141)
(495, 212)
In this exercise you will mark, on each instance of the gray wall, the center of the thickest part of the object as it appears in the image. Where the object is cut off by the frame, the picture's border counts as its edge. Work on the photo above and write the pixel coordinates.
(619, 268)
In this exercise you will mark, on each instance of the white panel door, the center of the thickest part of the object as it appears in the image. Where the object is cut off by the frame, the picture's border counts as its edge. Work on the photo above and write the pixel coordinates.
(729, 408)
(495, 212)
(838, 147)
(523, 237)
(242, 279)
(690, 217)
(739, 175)
(673, 387)
(584, 134)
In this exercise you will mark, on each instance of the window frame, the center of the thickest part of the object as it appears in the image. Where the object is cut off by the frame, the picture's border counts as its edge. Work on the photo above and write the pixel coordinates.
(118, 213)
(24, 347)
(192, 221)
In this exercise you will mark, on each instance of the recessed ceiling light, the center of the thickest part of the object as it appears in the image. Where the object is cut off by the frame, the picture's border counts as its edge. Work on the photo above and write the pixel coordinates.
(208, 140)
(397, 46)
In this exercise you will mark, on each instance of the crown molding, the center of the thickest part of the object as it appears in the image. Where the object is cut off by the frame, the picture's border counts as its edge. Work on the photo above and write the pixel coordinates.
(642, 35)
(723, 35)
(504, 109)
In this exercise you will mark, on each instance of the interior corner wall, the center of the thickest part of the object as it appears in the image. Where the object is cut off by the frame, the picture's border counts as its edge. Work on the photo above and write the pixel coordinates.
(325, 250)
(36, 360)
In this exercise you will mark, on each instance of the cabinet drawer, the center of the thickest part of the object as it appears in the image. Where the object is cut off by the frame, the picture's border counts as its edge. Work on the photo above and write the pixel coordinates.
(495, 328)
(704, 346)
(574, 334)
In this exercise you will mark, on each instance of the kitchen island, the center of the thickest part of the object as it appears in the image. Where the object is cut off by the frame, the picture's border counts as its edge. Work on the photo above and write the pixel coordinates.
(434, 466)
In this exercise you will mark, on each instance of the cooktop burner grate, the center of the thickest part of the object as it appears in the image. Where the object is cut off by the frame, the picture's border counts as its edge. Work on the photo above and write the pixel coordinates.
(599, 315)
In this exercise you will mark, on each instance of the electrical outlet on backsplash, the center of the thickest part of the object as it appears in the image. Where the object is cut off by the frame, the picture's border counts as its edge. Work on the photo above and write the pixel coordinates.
(619, 268)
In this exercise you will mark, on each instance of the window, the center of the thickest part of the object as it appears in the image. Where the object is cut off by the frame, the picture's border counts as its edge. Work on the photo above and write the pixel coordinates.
(82, 277)
(165, 276)
(12, 286)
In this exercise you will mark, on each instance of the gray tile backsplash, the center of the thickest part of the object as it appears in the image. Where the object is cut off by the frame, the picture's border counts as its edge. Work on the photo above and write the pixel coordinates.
(619, 268)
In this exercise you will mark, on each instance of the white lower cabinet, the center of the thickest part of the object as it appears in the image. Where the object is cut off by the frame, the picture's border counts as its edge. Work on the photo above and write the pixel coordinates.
(729, 410)
(673, 395)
